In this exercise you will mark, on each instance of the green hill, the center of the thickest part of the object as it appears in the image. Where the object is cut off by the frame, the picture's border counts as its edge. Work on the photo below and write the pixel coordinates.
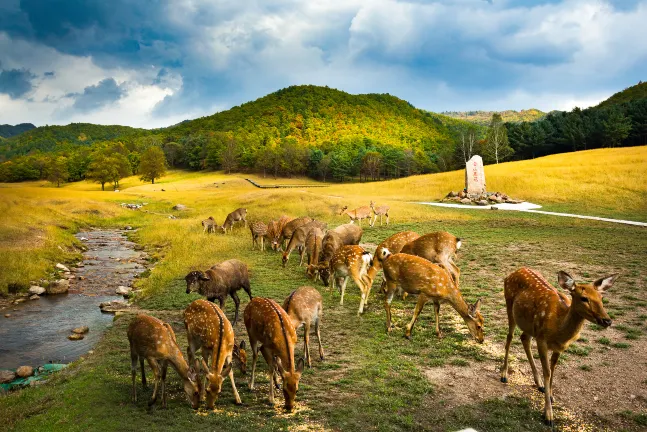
(636, 92)
(484, 117)
(7, 131)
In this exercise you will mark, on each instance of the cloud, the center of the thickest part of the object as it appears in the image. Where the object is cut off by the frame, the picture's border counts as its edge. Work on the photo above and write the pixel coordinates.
(96, 96)
(16, 82)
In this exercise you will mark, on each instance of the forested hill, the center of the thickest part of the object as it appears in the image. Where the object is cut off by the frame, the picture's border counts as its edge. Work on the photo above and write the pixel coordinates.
(484, 117)
(7, 131)
(638, 91)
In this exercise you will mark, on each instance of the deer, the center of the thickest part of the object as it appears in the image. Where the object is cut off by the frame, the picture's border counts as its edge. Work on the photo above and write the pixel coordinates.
(343, 235)
(356, 215)
(438, 247)
(550, 317)
(275, 228)
(279, 242)
(379, 211)
(271, 331)
(219, 281)
(298, 240)
(154, 340)
(259, 231)
(235, 216)
(350, 262)
(209, 330)
(304, 307)
(209, 225)
(416, 275)
(313, 249)
(394, 244)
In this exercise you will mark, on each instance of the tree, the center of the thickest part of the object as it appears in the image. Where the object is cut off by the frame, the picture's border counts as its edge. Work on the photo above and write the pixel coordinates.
(616, 127)
(324, 167)
(108, 167)
(174, 153)
(152, 164)
(371, 163)
(496, 141)
(57, 170)
(230, 154)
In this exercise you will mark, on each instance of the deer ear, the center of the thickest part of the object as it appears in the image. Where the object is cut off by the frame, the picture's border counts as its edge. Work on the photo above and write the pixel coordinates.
(605, 283)
(242, 345)
(204, 277)
(477, 306)
(300, 365)
(565, 281)
(226, 369)
(191, 375)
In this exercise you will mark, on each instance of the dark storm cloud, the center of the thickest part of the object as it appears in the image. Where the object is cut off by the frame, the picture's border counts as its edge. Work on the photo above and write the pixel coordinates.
(16, 82)
(97, 96)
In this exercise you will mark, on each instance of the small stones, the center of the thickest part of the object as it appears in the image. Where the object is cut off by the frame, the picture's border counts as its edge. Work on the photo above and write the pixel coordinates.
(34, 297)
(6, 376)
(61, 267)
(36, 290)
(75, 336)
(7, 315)
(81, 330)
(25, 371)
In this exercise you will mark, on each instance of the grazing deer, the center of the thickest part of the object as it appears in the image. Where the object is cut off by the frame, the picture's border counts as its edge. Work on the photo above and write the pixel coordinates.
(275, 228)
(298, 240)
(357, 215)
(235, 216)
(394, 244)
(270, 329)
(416, 275)
(305, 306)
(313, 248)
(554, 320)
(350, 262)
(209, 225)
(343, 235)
(438, 247)
(379, 211)
(285, 234)
(208, 329)
(154, 340)
(259, 231)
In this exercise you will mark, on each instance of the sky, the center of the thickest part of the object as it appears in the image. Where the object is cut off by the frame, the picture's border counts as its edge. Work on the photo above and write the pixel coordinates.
(154, 63)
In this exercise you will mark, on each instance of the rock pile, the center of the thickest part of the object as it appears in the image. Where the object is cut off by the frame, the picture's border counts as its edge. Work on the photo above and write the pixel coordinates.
(485, 198)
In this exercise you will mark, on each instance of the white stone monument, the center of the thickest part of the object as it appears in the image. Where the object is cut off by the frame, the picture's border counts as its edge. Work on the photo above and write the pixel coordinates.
(475, 176)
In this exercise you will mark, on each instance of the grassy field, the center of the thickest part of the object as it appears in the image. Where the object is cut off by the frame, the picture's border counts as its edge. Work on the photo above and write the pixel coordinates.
(369, 380)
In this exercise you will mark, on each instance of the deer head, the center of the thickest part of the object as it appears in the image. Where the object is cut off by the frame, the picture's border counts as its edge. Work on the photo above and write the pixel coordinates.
(284, 260)
(241, 355)
(215, 383)
(343, 209)
(193, 279)
(324, 273)
(587, 298)
(474, 321)
(192, 389)
(372, 204)
(290, 382)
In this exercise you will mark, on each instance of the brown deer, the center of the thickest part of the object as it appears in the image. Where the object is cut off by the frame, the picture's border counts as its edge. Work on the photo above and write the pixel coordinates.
(350, 262)
(358, 214)
(275, 228)
(259, 231)
(283, 236)
(554, 320)
(209, 225)
(438, 247)
(270, 329)
(235, 216)
(305, 306)
(379, 211)
(343, 235)
(208, 329)
(298, 240)
(154, 340)
(416, 275)
(313, 248)
(394, 244)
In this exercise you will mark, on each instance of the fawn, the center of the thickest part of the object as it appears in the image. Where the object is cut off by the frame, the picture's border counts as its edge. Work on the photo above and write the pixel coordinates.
(350, 262)
(304, 306)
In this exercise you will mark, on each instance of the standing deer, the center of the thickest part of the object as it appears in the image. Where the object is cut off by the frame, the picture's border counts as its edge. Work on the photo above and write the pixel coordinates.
(283, 236)
(305, 306)
(357, 215)
(208, 329)
(554, 320)
(313, 248)
(259, 231)
(298, 240)
(379, 211)
(394, 244)
(416, 275)
(154, 340)
(343, 235)
(438, 247)
(350, 262)
(235, 216)
(270, 329)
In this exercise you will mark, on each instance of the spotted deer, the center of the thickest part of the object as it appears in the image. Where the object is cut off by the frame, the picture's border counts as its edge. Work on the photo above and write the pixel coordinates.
(350, 262)
(343, 235)
(298, 240)
(154, 340)
(209, 330)
(379, 211)
(275, 228)
(394, 244)
(313, 249)
(235, 216)
(357, 215)
(438, 247)
(551, 318)
(283, 236)
(416, 275)
(259, 231)
(305, 306)
(270, 329)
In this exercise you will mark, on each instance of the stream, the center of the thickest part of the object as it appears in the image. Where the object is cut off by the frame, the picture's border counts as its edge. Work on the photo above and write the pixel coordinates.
(36, 332)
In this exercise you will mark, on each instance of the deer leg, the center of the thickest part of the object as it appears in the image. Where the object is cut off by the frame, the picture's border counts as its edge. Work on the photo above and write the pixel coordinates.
(511, 326)
(306, 343)
(363, 292)
(343, 289)
(388, 298)
(437, 313)
(254, 346)
(525, 340)
(133, 371)
(164, 369)
(302, 252)
(317, 331)
(141, 364)
(234, 296)
(262, 244)
(156, 373)
(269, 359)
(553, 363)
(422, 300)
(545, 366)
(233, 386)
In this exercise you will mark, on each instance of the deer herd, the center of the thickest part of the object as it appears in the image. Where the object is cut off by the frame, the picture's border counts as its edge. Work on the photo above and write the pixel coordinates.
(412, 264)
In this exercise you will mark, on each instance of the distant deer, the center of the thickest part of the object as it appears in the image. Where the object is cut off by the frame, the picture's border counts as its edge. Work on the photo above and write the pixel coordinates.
(305, 307)
(235, 216)
(350, 262)
(270, 329)
(343, 235)
(298, 240)
(379, 211)
(259, 231)
(438, 247)
(154, 340)
(394, 244)
(283, 236)
(208, 329)
(313, 248)
(416, 275)
(357, 215)
(209, 225)
(554, 320)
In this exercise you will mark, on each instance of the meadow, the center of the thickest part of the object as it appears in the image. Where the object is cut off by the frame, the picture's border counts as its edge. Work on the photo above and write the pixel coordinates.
(369, 380)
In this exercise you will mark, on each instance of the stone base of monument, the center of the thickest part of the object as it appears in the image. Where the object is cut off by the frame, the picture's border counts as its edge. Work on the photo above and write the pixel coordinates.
(483, 199)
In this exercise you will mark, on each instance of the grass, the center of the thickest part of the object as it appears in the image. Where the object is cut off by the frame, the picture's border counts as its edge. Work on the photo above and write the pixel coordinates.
(369, 380)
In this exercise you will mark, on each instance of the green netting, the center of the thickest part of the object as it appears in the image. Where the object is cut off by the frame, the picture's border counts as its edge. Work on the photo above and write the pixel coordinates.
(39, 374)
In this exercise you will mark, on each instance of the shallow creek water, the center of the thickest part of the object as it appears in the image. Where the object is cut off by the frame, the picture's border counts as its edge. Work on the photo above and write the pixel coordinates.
(37, 330)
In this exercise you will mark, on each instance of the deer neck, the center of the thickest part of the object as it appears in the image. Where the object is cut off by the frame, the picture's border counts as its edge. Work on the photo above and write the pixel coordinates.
(459, 304)
(177, 361)
(569, 327)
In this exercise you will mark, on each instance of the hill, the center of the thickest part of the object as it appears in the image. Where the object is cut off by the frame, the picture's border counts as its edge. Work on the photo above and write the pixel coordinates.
(7, 131)
(484, 117)
(636, 92)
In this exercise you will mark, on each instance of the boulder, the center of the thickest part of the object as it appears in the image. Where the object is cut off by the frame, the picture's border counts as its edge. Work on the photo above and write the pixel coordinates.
(6, 376)
(179, 207)
(482, 202)
(466, 201)
(7, 315)
(25, 371)
(462, 194)
(113, 306)
(61, 267)
(75, 336)
(34, 297)
(36, 290)
(81, 330)
(60, 286)
(452, 194)
(123, 290)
